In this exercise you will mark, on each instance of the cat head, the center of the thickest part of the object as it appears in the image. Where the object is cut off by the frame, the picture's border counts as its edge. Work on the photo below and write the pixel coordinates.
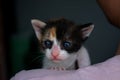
(60, 38)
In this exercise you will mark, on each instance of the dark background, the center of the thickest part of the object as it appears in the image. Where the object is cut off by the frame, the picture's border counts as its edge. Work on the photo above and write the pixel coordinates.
(21, 40)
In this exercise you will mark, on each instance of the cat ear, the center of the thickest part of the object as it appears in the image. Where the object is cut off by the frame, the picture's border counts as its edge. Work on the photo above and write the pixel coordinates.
(37, 26)
(86, 30)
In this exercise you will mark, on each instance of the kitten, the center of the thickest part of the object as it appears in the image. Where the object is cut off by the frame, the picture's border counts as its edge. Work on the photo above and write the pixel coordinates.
(61, 41)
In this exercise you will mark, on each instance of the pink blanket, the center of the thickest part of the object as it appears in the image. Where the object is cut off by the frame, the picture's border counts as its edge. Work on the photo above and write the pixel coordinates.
(108, 70)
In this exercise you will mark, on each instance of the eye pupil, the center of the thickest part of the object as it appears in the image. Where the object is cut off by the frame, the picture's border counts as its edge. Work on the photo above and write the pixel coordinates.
(67, 44)
(48, 43)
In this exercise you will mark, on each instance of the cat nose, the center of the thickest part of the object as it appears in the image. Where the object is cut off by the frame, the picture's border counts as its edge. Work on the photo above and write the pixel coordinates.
(55, 51)
(55, 54)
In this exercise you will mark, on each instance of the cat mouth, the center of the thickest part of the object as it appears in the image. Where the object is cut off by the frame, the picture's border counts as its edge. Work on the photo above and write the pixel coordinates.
(56, 60)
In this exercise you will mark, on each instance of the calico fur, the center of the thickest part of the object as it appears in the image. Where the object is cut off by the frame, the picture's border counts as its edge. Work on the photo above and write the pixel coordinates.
(58, 33)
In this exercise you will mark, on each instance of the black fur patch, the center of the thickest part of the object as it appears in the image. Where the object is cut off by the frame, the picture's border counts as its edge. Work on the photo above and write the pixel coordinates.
(66, 31)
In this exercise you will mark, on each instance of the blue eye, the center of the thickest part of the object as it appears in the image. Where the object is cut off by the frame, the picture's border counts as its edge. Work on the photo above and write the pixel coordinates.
(48, 43)
(66, 44)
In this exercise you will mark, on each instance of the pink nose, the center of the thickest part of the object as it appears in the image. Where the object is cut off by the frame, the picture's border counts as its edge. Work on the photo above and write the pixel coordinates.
(55, 51)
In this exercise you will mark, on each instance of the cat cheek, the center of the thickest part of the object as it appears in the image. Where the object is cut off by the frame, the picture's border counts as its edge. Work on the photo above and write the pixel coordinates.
(64, 55)
(48, 53)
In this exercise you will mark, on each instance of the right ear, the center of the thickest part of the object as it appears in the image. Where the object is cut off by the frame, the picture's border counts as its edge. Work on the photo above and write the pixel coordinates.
(37, 26)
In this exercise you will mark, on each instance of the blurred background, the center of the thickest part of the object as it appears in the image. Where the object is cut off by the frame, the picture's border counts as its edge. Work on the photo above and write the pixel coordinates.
(18, 43)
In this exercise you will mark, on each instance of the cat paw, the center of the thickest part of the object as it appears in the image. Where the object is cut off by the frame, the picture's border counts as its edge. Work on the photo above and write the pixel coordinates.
(58, 68)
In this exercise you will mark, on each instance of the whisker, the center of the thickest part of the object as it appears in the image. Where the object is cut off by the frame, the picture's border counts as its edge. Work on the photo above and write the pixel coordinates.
(37, 59)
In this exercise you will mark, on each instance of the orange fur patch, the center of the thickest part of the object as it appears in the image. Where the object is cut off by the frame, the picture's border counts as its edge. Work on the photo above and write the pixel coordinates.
(52, 32)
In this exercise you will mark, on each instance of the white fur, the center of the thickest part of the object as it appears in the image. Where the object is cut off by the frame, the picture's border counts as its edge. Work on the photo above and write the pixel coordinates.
(81, 56)
(64, 63)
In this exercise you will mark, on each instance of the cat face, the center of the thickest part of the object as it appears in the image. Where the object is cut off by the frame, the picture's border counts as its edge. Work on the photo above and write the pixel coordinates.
(59, 39)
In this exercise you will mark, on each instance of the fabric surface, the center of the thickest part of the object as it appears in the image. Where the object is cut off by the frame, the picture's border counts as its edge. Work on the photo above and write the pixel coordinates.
(107, 70)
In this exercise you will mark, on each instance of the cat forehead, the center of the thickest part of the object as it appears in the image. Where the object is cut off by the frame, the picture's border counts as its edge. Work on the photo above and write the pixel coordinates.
(65, 33)
(60, 29)
(51, 33)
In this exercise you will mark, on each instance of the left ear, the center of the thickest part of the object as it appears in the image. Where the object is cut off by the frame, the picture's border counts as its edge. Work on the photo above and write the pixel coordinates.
(37, 26)
(86, 30)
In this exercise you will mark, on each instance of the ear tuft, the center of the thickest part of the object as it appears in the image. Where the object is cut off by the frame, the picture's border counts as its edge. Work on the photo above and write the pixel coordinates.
(37, 25)
(87, 30)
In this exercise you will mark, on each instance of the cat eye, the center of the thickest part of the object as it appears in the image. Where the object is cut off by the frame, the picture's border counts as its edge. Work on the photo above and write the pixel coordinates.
(66, 44)
(48, 43)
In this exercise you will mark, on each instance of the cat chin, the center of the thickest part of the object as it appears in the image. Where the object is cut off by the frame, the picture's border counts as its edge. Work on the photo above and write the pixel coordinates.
(57, 60)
